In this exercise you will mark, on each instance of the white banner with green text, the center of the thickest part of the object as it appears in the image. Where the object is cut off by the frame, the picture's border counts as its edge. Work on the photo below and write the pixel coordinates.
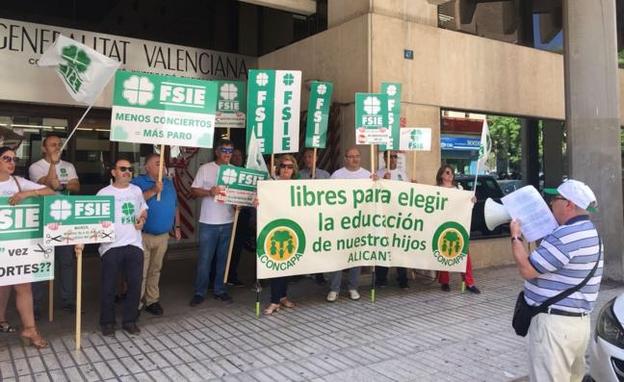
(316, 226)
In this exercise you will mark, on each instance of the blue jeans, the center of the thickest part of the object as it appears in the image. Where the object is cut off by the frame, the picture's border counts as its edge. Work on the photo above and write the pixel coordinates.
(213, 240)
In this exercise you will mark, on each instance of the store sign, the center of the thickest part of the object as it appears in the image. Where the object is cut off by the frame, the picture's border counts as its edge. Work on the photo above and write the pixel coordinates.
(156, 109)
(23, 256)
(81, 219)
(415, 139)
(460, 143)
(239, 184)
(22, 43)
(371, 119)
(393, 91)
(318, 114)
(273, 103)
(231, 104)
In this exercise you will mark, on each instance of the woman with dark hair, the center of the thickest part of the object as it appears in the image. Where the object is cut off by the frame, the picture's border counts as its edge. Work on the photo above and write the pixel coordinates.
(18, 189)
(286, 170)
(446, 178)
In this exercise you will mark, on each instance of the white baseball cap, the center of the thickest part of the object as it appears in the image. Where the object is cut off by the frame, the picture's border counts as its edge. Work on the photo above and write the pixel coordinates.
(577, 192)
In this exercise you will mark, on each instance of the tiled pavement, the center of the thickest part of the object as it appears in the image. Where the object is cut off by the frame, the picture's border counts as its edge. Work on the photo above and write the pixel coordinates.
(422, 334)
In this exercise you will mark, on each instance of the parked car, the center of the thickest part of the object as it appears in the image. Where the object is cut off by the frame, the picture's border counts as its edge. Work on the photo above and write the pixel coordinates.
(510, 185)
(606, 354)
(487, 187)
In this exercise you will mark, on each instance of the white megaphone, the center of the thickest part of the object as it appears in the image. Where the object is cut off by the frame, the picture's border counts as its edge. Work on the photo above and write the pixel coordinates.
(495, 214)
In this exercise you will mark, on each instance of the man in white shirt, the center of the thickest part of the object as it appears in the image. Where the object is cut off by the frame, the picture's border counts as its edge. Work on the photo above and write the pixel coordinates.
(215, 226)
(124, 255)
(61, 177)
(351, 170)
(391, 172)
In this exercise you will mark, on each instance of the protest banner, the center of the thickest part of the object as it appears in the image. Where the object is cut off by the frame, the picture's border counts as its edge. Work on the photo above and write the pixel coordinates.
(318, 114)
(239, 184)
(273, 98)
(78, 220)
(23, 256)
(393, 91)
(163, 110)
(83, 219)
(371, 119)
(231, 104)
(307, 227)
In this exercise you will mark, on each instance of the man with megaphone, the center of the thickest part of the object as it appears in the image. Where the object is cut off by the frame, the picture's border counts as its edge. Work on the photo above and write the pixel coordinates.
(562, 281)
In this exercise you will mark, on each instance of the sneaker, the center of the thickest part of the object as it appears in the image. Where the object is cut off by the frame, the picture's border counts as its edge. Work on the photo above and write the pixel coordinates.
(445, 288)
(235, 284)
(131, 328)
(196, 300)
(353, 294)
(225, 298)
(108, 330)
(154, 309)
(473, 289)
(332, 296)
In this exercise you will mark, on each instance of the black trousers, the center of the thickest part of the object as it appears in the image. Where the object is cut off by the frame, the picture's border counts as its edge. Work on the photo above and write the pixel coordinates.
(381, 274)
(279, 286)
(127, 261)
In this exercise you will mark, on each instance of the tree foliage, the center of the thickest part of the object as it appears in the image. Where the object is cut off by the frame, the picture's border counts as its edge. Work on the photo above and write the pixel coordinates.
(506, 143)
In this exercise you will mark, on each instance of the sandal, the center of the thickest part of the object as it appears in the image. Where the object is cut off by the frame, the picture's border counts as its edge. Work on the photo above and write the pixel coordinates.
(35, 340)
(286, 303)
(5, 327)
(269, 310)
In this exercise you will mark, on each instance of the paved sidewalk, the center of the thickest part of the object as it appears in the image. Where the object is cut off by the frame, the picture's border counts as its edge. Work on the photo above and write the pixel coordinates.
(422, 334)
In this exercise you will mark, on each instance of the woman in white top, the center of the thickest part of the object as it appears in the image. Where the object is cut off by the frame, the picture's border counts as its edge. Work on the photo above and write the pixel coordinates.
(18, 189)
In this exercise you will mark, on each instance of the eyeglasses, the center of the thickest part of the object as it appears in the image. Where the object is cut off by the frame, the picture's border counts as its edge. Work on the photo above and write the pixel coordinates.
(352, 156)
(227, 150)
(9, 159)
(555, 198)
(288, 166)
(394, 156)
(125, 169)
(448, 172)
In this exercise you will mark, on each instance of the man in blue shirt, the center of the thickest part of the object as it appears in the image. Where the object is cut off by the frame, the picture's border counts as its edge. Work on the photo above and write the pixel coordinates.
(164, 213)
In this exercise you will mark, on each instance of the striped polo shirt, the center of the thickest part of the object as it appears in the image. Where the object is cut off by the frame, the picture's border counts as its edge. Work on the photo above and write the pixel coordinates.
(563, 260)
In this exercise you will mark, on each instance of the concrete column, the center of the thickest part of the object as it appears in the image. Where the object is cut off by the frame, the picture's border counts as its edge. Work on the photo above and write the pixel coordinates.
(553, 155)
(418, 11)
(530, 159)
(592, 111)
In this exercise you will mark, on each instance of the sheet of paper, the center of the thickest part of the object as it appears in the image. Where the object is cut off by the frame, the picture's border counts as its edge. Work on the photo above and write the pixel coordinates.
(527, 205)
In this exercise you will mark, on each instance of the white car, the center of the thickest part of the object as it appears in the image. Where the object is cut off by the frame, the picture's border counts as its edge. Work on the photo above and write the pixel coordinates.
(606, 355)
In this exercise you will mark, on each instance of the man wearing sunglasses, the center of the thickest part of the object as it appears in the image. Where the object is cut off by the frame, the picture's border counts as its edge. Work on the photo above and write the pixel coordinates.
(558, 337)
(215, 226)
(61, 177)
(125, 255)
(392, 172)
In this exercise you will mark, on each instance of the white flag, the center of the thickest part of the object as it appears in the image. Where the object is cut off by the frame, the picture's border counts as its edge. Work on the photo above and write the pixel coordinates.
(485, 146)
(255, 160)
(84, 71)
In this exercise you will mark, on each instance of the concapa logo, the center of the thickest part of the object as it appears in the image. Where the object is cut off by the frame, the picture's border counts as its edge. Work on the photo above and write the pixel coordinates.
(450, 243)
(281, 244)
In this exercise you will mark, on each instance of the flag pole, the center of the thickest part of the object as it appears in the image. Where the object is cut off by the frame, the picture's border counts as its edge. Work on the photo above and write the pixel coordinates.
(78, 250)
(160, 167)
(231, 245)
(314, 163)
(51, 300)
(75, 128)
(272, 165)
(372, 154)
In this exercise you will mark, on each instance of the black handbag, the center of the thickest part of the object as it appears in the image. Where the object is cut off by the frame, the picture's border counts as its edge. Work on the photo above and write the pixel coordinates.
(524, 313)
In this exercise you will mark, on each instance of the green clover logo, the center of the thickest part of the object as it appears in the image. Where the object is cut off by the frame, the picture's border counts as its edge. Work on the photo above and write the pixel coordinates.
(228, 91)
(127, 208)
(60, 209)
(321, 89)
(229, 176)
(77, 61)
(262, 79)
(288, 79)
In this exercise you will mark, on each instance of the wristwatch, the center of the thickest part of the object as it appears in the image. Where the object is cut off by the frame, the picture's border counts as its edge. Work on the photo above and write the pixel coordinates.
(514, 238)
